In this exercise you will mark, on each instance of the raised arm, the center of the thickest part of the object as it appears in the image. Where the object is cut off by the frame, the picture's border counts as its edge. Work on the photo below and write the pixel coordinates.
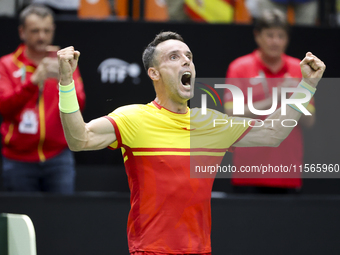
(95, 135)
(272, 133)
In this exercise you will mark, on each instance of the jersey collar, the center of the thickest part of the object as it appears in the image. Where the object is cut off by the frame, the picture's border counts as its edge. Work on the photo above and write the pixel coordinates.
(161, 107)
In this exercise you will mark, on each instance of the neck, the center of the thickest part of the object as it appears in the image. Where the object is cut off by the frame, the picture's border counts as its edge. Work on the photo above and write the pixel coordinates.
(34, 56)
(171, 105)
(273, 63)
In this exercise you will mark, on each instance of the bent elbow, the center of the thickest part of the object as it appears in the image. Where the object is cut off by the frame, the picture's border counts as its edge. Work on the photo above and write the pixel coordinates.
(275, 138)
(275, 142)
(74, 149)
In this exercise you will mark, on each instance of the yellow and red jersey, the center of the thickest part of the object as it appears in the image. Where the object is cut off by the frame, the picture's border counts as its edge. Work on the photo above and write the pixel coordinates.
(170, 211)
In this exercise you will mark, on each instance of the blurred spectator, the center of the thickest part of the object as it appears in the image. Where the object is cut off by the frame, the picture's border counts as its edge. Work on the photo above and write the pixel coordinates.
(305, 11)
(35, 154)
(266, 68)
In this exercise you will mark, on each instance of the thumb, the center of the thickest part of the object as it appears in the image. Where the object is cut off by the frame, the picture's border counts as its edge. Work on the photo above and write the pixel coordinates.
(76, 55)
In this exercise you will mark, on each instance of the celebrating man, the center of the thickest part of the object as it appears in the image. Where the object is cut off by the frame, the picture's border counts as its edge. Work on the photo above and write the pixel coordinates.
(170, 212)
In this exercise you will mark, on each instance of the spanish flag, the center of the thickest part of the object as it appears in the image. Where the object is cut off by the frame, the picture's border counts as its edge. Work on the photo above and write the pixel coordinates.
(211, 11)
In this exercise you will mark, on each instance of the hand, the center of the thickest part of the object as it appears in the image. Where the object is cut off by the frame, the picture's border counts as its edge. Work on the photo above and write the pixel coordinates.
(47, 68)
(68, 60)
(312, 69)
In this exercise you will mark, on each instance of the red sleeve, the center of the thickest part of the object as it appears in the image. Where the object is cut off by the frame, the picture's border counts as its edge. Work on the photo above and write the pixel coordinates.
(13, 94)
(78, 83)
(118, 136)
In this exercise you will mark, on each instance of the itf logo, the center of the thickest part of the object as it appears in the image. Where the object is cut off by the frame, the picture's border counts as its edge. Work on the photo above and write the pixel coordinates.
(116, 70)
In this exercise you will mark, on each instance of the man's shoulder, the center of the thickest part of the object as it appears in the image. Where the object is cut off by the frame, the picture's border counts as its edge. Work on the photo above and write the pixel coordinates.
(131, 108)
(14, 56)
(7, 59)
(134, 109)
(242, 67)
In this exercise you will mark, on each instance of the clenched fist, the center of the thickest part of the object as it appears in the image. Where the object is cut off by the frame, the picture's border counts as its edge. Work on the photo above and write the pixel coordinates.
(312, 69)
(68, 60)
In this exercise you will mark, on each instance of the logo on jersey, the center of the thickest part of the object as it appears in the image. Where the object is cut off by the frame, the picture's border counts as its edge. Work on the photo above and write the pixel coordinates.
(18, 73)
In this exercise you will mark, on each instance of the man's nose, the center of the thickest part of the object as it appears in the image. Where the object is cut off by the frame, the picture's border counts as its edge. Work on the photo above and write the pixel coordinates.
(42, 34)
(186, 60)
(277, 39)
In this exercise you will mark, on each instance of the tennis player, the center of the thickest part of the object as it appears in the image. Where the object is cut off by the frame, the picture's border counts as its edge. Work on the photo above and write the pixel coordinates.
(170, 212)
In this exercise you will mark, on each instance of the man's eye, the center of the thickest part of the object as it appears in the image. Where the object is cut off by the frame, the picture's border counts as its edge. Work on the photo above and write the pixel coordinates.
(173, 57)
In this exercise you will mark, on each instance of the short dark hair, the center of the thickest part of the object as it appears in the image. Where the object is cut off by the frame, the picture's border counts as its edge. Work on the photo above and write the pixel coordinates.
(149, 52)
(271, 18)
(40, 10)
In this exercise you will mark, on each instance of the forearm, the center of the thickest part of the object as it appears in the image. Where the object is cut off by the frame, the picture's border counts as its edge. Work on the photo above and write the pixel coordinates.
(78, 82)
(272, 130)
(95, 135)
(280, 126)
(71, 118)
(260, 105)
(75, 130)
(289, 116)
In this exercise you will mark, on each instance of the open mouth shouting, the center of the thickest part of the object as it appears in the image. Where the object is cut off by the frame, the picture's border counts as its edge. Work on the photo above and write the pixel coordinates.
(186, 80)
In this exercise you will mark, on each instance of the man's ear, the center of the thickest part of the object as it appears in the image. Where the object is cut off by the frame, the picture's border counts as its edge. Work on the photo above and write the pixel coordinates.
(153, 74)
(256, 35)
